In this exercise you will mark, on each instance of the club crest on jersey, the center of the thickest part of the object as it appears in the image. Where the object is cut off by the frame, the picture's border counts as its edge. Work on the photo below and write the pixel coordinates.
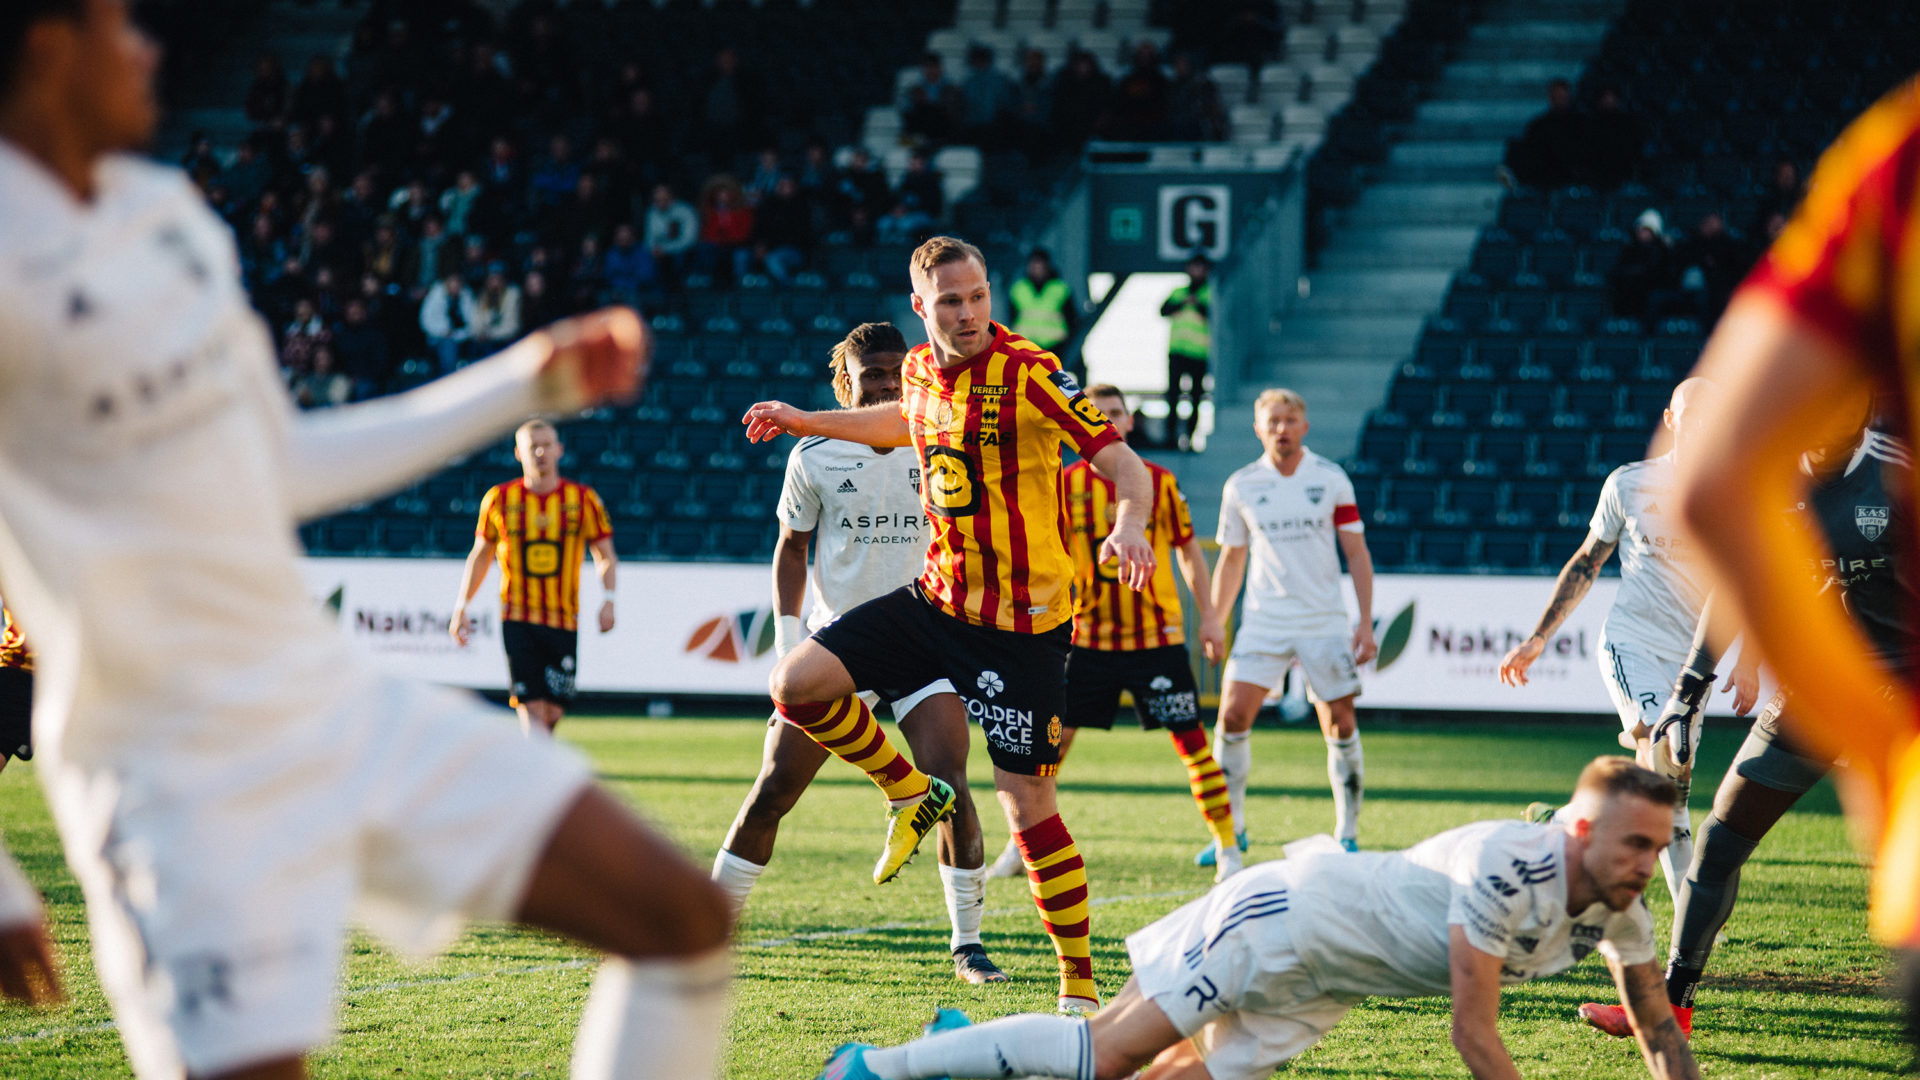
(1871, 520)
(1315, 494)
(943, 414)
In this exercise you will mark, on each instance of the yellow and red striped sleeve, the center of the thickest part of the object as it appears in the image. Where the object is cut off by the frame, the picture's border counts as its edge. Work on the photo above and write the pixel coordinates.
(14, 652)
(595, 526)
(1844, 265)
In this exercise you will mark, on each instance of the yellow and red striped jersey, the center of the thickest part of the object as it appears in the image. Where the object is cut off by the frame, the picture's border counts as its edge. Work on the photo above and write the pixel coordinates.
(14, 652)
(1848, 263)
(1107, 615)
(539, 542)
(988, 433)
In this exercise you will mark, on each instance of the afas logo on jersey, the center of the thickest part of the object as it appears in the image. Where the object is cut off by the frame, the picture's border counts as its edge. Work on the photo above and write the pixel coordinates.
(734, 639)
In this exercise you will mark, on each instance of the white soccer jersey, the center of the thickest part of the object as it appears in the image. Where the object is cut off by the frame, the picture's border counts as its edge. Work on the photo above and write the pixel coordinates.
(863, 507)
(145, 530)
(1661, 591)
(1287, 523)
(1376, 924)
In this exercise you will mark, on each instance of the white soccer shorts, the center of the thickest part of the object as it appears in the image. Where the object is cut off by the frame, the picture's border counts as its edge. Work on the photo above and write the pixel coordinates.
(1639, 681)
(1224, 970)
(1327, 661)
(905, 706)
(220, 881)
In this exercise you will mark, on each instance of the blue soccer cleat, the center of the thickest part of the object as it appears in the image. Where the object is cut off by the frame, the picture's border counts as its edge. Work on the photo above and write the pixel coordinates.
(848, 1062)
(1208, 857)
(945, 1020)
(1350, 845)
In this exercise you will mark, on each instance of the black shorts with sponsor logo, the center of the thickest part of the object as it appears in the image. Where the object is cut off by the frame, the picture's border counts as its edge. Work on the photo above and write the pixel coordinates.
(1160, 680)
(1012, 684)
(540, 661)
(16, 713)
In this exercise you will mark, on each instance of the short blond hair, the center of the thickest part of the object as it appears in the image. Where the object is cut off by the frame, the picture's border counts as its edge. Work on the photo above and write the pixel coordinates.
(1605, 777)
(1274, 397)
(527, 429)
(1107, 389)
(939, 251)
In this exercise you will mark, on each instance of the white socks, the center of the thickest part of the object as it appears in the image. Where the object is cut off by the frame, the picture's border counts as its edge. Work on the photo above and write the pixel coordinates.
(1029, 1045)
(1346, 772)
(966, 901)
(735, 876)
(1677, 859)
(654, 1020)
(1234, 752)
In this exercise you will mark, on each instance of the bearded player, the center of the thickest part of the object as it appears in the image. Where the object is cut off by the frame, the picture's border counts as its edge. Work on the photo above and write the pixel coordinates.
(987, 413)
(229, 782)
(1250, 976)
(538, 529)
(1831, 313)
(859, 507)
(1135, 640)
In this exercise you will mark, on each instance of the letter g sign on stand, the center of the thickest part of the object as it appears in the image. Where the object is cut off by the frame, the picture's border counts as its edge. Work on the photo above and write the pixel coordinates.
(1195, 217)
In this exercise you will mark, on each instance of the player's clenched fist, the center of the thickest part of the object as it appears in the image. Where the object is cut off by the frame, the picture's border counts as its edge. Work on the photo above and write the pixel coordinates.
(596, 357)
(771, 419)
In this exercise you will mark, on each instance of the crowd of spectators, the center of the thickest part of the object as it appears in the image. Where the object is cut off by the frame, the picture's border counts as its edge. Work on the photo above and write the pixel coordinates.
(1567, 146)
(1045, 114)
(440, 193)
(1662, 274)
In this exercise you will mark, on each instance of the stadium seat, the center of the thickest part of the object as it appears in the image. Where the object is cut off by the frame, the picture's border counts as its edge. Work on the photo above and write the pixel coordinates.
(683, 539)
(1383, 448)
(1534, 502)
(1562, 453)
(1442, 549)
(1506, 550)
(1619, 447)
(1504, 452)
(1593, 402)
(1444, 452)
(1472, 502)
(1526, 404)
(1413, 397)
(1562, 358)
(1500, 357)
(1471, 404)
(1388, 546)
(1410, 500)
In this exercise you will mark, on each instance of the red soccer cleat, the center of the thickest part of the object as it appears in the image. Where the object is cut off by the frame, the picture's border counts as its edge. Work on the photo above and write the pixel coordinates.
(1613, 1020)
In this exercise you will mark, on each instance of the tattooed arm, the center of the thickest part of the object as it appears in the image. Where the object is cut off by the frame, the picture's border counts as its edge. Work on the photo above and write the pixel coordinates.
(1575, 579)
(1644, 992)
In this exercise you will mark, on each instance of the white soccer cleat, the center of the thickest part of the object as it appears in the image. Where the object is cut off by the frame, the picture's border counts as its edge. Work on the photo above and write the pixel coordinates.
(1009, 864)
(1227, 862)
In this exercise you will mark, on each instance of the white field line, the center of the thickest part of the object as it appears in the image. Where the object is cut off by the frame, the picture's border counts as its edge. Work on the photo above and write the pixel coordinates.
(568, 965)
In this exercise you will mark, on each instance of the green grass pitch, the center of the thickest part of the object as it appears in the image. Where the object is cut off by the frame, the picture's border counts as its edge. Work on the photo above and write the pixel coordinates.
(826, 957)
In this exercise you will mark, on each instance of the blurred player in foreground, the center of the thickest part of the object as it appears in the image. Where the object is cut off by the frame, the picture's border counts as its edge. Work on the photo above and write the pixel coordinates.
(1832, 312)
(1289, 516)
(539, 529)
(1649, 630)
(859, 506)
(1244, 979)
(987, 413)
(1135, 639)
(229, 782)
(16, 692)
(1857, 509)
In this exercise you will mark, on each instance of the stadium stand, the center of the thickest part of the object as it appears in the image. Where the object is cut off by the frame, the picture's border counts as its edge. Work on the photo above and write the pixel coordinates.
(1547, 366)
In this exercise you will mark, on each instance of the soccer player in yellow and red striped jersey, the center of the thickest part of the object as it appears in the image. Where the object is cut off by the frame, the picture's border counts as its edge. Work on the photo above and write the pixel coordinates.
(1832, 311)
(1135, 639)
(987, 413)
(540, 529)
(16, 692)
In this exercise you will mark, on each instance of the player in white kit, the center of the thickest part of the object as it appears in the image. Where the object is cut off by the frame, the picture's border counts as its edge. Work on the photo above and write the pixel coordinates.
(1242, 980)
(230, 784)
(860, 508)
(1285, 515)
(1649, 630)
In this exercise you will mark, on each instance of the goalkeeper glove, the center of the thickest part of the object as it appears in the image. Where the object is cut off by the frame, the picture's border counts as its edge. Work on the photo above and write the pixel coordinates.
(1680, 722)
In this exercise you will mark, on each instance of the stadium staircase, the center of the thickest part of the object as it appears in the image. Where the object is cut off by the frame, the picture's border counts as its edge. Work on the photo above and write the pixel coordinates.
(1491, 445)
(1392, 243)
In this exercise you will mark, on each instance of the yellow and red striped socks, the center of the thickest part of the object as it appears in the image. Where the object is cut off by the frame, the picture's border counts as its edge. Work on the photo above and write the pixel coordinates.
(846, 729)
(1058, 877)
(1208, 783)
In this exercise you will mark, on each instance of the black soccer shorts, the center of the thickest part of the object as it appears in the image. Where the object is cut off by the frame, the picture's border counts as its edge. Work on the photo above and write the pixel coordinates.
(16, 713)
(1160, 680)
(540, 662)
(1012, 684)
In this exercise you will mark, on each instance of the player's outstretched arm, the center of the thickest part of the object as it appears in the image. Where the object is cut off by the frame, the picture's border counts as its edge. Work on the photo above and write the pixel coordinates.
(1568, 590)
(1193, 566)
(1475, 978)
(338, 457)
(874, 425)
(1127, 542)
(27, 971)
(1643, 990)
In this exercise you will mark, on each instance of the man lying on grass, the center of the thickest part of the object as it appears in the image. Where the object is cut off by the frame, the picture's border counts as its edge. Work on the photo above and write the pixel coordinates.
(1238, 982)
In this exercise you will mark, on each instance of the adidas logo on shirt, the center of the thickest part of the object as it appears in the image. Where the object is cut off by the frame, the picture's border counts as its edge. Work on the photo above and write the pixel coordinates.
(846, 487)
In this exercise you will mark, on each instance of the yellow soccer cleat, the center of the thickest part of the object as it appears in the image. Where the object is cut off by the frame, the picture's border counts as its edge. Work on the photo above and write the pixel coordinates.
(908, 825)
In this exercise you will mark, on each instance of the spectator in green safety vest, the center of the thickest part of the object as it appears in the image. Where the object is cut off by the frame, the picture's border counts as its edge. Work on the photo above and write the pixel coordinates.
(1043, 307)
(1189, 345)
